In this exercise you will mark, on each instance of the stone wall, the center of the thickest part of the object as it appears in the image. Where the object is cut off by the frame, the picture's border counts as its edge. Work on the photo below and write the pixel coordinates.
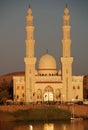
(80, 110)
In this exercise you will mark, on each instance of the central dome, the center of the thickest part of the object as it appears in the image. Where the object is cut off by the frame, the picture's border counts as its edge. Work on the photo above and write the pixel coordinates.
(47, 62)
(47, 65)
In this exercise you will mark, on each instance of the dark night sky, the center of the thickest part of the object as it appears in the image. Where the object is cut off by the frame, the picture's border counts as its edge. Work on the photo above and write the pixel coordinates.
(48, 35)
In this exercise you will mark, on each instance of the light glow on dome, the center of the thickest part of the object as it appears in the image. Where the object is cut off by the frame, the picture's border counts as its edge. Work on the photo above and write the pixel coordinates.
(47, 62)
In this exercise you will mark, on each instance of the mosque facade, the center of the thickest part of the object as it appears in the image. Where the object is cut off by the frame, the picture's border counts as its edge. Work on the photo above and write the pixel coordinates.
(47, 83)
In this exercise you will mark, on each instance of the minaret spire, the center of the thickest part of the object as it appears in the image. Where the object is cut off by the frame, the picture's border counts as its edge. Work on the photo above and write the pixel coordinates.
(66, 58)
(66, 5)
(29, 6)
(66, 42)
(30, 58)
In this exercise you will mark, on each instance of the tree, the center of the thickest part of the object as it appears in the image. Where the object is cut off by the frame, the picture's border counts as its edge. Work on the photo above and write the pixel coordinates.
(10, 89)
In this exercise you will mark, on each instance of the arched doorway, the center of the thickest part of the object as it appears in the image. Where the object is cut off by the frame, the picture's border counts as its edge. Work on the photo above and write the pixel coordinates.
(39, 96)
(48, 94)
(58, 95)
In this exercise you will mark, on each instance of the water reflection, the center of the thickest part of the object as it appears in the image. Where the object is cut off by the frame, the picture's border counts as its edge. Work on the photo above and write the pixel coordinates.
(48, 126)
(41, 126)
(80, 125)
(30, 127)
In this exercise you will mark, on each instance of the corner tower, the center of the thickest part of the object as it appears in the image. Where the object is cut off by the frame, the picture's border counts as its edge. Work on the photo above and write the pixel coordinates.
(29, 59)
(66, 58)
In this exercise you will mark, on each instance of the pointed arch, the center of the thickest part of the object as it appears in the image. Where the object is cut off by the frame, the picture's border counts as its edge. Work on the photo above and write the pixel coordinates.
(48, 89)
(48, 94)
(39, 95)
(58, 94)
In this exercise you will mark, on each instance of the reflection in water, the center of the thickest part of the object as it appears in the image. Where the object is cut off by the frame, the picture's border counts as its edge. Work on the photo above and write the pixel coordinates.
(30, 127)
(45, 126)
(6, 126)
(79, 125)
(48, 126)
(21, 127)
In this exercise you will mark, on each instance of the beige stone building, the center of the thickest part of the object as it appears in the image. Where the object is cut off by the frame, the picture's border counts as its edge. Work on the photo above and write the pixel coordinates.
(47, 83)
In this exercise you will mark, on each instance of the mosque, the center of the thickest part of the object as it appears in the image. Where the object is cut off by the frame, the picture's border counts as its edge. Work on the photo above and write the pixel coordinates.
(47, 83)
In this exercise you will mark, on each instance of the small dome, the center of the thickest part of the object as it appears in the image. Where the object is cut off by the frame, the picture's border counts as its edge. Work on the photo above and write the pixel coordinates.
(47, 64)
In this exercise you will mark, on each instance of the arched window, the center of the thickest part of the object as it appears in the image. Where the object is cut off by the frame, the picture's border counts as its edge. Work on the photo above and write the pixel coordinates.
(39, 94)
(49, 74)
(17, 96)
(17, 87)
(73, 87)
(58, 93)
(22, 87)
(78, 87)
(23, 95)
(48, 89)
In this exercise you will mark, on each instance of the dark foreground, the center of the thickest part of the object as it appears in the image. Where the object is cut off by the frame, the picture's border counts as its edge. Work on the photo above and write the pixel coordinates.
(41, 112)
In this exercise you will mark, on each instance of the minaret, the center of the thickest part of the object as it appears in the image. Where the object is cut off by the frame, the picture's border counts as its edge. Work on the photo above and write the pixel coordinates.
(66, 58)
(29, 60)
